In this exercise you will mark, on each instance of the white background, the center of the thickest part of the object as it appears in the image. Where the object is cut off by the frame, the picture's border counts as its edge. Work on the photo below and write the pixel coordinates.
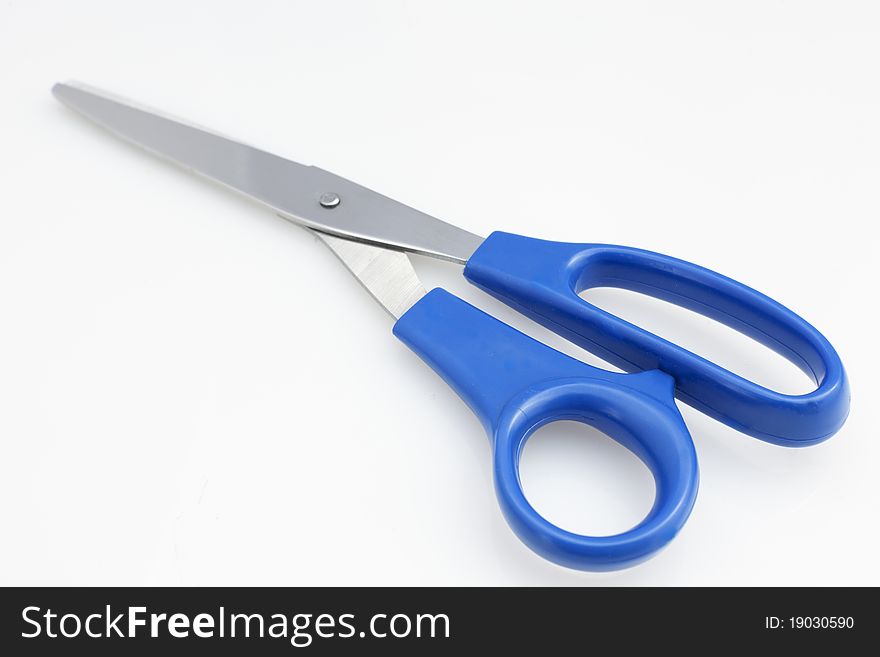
(193, 391)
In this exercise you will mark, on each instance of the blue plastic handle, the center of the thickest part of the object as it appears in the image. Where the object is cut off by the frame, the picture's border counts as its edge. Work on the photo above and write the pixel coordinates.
(515, 385)
(542, 280)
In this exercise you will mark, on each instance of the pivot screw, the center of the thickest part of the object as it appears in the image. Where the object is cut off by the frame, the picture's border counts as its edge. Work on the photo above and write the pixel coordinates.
(329, 200)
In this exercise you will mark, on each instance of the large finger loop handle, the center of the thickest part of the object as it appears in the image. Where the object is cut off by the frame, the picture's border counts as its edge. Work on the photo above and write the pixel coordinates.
(542, 280)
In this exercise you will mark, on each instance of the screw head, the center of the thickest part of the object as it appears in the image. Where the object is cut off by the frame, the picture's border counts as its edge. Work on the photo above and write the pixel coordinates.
(329, 200)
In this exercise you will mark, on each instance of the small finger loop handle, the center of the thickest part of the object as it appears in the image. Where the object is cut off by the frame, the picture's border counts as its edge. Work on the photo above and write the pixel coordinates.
(654, 431)
(514, 384)
(542, 280)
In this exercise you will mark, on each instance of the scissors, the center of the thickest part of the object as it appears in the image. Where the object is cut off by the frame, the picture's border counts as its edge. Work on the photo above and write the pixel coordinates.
(513, 383)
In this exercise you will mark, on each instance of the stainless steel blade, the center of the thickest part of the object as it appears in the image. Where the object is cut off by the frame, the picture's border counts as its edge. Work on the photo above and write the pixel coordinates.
(303, 194)
(387, 275)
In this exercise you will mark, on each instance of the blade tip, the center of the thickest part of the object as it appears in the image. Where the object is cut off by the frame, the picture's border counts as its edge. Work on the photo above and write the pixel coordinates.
(61, 90)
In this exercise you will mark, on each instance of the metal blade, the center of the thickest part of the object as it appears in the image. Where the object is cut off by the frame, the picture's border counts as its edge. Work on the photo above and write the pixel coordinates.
(303, 194)
(387, 275)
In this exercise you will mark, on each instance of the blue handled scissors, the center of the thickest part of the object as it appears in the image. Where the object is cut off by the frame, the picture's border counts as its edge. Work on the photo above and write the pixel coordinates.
(513, 383)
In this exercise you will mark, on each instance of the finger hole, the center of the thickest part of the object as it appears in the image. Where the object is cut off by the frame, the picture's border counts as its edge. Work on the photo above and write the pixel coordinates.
(704, 336)
(584, 482)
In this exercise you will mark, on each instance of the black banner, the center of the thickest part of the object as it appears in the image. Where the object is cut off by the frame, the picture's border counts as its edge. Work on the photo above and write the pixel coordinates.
(167, 621)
